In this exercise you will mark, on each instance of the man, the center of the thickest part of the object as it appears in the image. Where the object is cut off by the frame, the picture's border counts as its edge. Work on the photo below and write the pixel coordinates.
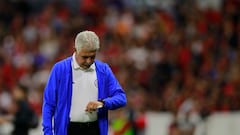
(80, 91)
(21, 114)
(24, 115)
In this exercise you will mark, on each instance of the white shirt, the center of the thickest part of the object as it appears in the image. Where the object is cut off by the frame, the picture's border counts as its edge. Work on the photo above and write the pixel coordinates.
(84, 90)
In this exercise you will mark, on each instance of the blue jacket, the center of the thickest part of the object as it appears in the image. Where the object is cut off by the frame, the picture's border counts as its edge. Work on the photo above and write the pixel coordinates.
(58, 95)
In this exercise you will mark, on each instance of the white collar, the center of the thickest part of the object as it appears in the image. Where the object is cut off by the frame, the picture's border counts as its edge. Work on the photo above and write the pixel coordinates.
(77, 67)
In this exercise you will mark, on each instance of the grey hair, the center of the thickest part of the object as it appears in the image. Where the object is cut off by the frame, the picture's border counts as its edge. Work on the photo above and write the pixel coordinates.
(87, 40)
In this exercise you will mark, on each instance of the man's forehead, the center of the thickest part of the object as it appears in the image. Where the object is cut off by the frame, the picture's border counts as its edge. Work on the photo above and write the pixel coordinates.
(87, 53)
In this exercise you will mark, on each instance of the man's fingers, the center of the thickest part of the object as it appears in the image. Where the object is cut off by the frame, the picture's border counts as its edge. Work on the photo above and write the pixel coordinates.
(93, 106)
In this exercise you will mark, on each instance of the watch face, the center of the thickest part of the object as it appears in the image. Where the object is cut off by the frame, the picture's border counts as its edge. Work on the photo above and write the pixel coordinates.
(100, 106)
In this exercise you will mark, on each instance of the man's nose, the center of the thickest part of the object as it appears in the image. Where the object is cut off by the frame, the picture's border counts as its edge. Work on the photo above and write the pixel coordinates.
(89, 60)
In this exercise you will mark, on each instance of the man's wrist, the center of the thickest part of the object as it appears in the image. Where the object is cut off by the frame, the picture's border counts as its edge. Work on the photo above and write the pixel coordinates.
(103, 102)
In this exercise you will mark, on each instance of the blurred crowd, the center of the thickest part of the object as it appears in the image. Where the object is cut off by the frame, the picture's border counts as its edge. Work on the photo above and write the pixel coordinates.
(178, 56)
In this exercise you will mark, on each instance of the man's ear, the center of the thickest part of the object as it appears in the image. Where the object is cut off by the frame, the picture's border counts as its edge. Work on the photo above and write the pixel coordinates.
(74, 50)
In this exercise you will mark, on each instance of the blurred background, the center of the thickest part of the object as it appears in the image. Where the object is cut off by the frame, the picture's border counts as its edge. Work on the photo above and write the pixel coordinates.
(177, 60)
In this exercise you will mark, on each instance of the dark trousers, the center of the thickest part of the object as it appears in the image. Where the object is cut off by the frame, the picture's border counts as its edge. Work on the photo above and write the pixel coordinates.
(88, 128)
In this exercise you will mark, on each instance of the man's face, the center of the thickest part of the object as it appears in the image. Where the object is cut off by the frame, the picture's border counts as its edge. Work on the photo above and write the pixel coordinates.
(85, 58)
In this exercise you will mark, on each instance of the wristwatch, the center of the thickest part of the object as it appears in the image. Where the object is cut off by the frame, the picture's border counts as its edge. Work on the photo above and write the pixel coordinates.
(103, 102)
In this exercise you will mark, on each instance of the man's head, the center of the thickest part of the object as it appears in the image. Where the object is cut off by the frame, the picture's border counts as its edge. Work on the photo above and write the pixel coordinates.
(86, 45)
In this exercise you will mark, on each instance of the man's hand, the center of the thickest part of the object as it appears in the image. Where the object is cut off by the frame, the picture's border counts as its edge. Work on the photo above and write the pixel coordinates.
(93, 106)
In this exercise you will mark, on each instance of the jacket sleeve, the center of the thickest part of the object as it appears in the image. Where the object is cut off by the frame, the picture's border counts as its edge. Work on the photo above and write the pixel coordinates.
(117, 97)
(49, 102)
